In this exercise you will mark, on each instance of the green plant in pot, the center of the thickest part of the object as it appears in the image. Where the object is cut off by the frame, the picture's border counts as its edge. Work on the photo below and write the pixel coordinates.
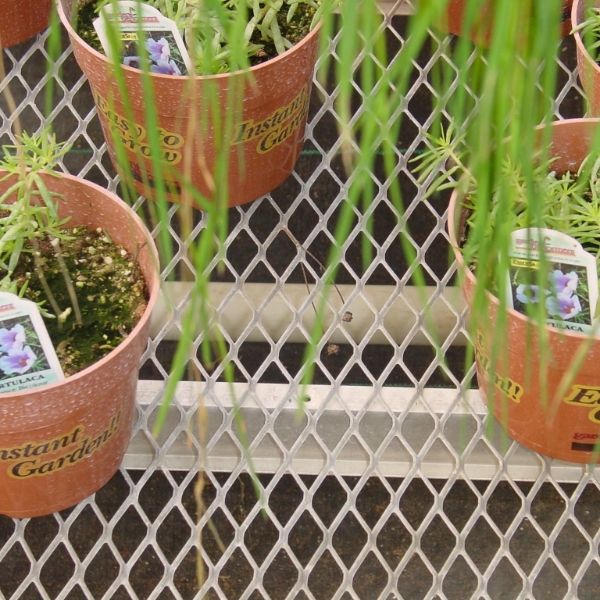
(535, 360)
(537, 345)
(585, 17)
(270, 29)
(78, 280)
(231, 126)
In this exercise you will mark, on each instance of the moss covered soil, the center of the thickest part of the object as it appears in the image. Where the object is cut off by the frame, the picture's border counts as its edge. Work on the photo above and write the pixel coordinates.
(110, 289)
(294, 30)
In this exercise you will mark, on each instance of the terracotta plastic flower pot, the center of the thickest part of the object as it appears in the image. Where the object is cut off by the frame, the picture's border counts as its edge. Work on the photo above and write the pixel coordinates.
(22, 19)
(587, 67)
(482, 28)
(566, 427)
(62, 442)
(266, 139)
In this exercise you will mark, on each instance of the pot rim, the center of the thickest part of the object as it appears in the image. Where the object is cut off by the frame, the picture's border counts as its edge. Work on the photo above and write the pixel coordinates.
(575, 21)
(468, 274)
(153, 290)
(18, 35)
(164, 78)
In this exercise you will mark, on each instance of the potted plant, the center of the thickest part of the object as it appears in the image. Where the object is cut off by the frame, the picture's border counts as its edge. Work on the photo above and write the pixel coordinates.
(481, 29)
(541, 383)
(22, 20)
(585, 16)
(268, 103)
(90, 263)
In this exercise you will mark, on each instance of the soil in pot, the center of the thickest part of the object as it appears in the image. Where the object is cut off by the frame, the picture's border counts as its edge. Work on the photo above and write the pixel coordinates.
(294, 30)
(109, 286)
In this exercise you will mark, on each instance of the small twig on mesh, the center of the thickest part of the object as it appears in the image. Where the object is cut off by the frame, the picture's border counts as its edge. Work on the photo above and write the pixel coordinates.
(202, 420)
(347, 316)
(305, 276)
(331, 349)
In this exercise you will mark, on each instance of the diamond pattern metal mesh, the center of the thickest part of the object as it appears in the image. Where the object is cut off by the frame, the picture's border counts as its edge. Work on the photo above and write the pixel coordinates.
(390, 485)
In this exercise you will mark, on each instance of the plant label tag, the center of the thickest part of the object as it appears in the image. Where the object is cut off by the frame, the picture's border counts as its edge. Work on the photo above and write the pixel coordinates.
(570, 293)
(27, 356)
(140, 28)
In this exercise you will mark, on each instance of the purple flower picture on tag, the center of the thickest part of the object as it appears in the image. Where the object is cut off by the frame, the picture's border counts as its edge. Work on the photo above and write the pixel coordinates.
(12, 339)
(161, 49)
(565, 297)
(160, 56)
(563, 306)
(564, 283)
(527, 293)
(147, 38)
(18, 361)
(20, 349)
(552, 277)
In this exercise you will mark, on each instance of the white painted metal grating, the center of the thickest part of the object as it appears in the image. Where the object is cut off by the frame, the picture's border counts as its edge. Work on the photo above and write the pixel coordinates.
(388, 486)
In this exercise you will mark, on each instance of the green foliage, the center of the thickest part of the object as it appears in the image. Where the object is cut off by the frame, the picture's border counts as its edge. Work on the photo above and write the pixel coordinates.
(111, 294)
(590, 31)
(225, 35)
(480, 96)
(267, 22)
(571, 201)
(23, 219)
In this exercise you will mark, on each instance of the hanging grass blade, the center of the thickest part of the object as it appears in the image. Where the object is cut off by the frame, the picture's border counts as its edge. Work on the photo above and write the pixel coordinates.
(278, 40)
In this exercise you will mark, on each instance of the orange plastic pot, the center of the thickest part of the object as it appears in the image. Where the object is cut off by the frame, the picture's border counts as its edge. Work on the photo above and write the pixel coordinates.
(566, 427)
(265, 140)
(62, 442)
(587, 67)
(22, 19)
(482, 28)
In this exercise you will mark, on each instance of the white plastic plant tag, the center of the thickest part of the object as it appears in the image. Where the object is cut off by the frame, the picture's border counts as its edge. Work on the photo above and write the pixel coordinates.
(27, 356)
(570, 295)
(161, 40)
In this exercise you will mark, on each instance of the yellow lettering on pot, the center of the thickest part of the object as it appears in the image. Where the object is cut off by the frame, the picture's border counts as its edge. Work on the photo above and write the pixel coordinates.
(39, 464)
(169, 139)
(506, 385)
(40, 448)
(134, 136)
(594, 415)
(580, 394)
(277, 127)
(23, 469)
(586, 396)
